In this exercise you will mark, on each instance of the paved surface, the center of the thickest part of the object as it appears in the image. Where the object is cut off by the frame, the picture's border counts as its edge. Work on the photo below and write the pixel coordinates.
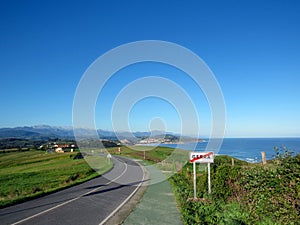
(158, 205)
(92, 202)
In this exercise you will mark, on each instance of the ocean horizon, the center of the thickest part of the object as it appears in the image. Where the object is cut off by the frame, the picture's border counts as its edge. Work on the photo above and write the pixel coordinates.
(247, 149)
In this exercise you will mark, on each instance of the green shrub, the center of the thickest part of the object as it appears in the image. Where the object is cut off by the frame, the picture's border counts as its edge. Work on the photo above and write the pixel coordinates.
(243, 194)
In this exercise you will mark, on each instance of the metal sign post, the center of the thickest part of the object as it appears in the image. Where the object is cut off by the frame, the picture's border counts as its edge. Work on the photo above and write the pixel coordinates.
(208, 171)
(194, 168)
(201, 157)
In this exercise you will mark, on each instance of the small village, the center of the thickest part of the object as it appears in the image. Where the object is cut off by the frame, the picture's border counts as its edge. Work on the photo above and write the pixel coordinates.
(54, 147)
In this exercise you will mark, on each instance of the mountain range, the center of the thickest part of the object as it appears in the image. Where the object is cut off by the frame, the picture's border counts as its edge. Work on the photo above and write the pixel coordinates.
(46, 132)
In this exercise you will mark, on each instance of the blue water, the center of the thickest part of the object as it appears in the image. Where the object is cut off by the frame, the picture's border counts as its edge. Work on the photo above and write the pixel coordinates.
(248, 149)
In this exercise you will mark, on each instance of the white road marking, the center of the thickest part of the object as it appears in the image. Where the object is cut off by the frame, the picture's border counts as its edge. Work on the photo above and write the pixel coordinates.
(71, 200)
(124, 202)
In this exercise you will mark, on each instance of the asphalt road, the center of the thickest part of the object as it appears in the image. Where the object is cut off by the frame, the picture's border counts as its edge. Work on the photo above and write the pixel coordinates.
(92, 202)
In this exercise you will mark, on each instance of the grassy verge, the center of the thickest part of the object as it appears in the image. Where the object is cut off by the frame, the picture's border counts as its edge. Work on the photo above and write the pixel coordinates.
(243, 194)
(25, 175)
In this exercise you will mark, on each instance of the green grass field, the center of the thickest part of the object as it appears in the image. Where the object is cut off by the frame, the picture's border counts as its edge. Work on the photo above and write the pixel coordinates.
(25, 175)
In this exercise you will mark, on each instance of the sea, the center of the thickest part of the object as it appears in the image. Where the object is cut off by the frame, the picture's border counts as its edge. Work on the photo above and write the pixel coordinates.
(247, 149)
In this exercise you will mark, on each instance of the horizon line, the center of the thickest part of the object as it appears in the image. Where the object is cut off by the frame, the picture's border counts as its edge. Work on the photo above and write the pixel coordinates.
(172, 132)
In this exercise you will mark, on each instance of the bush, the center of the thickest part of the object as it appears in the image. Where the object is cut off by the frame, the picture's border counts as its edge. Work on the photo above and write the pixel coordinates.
(243, 194)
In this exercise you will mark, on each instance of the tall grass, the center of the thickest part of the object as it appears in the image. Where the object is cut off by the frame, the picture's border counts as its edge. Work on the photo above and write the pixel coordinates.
(24, 175)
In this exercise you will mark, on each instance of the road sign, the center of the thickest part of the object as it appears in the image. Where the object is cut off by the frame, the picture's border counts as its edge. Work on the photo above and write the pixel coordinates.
(202, 157)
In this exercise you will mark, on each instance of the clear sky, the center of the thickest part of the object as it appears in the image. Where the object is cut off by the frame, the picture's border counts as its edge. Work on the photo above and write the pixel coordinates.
(252, 47)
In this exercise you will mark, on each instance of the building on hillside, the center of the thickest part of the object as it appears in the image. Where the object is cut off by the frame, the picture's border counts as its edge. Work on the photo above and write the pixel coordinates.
(59, 150)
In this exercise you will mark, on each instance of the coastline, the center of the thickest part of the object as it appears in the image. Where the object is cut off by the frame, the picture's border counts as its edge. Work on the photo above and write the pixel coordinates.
(246, 149)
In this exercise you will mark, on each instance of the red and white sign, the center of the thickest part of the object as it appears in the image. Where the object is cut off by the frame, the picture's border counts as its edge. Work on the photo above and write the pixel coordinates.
(202, 157)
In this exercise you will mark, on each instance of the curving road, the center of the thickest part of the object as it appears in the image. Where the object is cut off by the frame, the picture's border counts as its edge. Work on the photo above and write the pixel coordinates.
(93, 202)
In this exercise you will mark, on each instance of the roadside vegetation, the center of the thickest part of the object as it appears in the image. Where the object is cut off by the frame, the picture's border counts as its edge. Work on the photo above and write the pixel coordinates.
(241, 194)
(155, 155)
(29, 174)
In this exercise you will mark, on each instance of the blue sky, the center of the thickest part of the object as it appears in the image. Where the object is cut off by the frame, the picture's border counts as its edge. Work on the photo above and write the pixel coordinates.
(252, 47)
